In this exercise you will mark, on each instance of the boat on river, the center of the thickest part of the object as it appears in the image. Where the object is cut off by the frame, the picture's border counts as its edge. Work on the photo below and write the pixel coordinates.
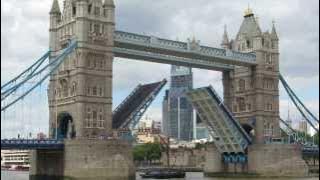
(163, 173)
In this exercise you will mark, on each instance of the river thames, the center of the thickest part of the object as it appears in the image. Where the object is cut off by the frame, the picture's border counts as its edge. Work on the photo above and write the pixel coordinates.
(13, 175)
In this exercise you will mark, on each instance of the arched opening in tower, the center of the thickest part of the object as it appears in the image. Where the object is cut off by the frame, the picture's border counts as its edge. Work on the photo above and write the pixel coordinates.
(65, 126)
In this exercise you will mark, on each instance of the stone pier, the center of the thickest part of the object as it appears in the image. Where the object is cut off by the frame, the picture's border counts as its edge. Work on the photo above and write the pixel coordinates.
(84, 160)
(264, 160)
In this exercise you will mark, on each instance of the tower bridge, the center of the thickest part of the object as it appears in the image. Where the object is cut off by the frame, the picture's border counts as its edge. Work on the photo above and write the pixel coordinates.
(83, 44)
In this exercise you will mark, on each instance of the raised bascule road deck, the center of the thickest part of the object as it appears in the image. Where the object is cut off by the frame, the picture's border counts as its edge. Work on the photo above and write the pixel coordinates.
(227, 133)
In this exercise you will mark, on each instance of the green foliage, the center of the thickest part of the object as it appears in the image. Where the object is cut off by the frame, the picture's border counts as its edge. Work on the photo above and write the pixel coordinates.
(200, 146)
(149, 152)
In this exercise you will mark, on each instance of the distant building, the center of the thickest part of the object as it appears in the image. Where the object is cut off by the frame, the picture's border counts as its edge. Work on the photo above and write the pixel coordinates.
(157, 125)
(142, 125)
(303, 126)
(41, 135)
(202, 131)
(147, 135)
(177, 111)
(12, 158)
(165, 114)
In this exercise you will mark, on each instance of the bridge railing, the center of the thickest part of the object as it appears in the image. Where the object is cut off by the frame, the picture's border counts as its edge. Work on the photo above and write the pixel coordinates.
(31, 144)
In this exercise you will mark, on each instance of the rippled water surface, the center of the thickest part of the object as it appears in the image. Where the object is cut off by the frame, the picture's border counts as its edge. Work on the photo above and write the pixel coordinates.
(10, 175)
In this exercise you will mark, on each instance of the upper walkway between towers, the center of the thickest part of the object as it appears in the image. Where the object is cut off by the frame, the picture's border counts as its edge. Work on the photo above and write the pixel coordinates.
(190, 54)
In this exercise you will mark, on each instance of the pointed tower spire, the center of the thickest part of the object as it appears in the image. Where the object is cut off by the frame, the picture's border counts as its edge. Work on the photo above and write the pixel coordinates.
(274, 35)
(55, 7)
(225, 39)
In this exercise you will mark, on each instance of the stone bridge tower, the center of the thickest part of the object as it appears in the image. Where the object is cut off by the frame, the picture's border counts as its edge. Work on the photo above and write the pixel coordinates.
(253, 93)
(80, 92)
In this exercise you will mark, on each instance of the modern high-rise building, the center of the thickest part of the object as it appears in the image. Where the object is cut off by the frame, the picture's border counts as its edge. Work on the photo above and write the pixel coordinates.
(177, 111)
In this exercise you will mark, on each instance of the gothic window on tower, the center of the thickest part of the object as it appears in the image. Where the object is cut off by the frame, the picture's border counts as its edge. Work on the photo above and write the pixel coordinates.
(268, 58)
(88, 91)
(74, 11)
(89, 118)
(102, 29)
(91, 27)
(89, 8)
(94, 91)
(94, 118)
(100, 92)
(64, 86)
(242, 85)
(249, 45)
(101, 125)
(105, 12)
(96, 29)
(97, 11)
(74, 87)
(242, 105)
(269, 106)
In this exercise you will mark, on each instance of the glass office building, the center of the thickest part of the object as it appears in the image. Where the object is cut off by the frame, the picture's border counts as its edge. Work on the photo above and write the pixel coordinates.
(177, 111)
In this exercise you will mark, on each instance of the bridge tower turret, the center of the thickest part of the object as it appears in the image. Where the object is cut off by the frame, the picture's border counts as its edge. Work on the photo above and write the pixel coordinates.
(80, 92)
(254, 93)
(55, 18)
(225, 44)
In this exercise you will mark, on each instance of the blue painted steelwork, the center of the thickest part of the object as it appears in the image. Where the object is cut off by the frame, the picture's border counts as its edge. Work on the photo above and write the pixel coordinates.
(131, 43)
(29, 70)
(31, 144)
(233, 158)
(299, 105)
(171, 59)
(8, 88)
(53, 65)
(310, 150)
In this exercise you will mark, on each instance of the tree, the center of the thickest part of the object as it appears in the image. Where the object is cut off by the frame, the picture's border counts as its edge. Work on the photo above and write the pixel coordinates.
(149, 152)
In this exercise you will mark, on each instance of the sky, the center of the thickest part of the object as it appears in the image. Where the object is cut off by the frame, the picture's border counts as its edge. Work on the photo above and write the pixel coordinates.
(24, 38)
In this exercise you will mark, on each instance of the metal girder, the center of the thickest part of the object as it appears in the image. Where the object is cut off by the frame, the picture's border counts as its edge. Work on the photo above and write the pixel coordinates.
(229, 136)
(31, 144)
(191, 50)
(136, 112)
(170, 59)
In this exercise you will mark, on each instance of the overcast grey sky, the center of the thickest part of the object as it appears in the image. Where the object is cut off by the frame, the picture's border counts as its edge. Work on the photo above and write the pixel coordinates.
(24, 37)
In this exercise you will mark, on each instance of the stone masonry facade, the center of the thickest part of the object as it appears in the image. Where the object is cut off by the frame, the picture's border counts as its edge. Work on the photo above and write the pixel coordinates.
(82, 86)
(253, 93)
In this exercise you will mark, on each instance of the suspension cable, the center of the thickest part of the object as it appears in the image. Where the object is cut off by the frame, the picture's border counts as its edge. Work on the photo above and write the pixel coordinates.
(37, 64)
(294, 100)
(296, 97)
(54, 64)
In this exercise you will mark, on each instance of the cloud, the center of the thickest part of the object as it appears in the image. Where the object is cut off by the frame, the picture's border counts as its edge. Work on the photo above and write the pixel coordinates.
(24, 38)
